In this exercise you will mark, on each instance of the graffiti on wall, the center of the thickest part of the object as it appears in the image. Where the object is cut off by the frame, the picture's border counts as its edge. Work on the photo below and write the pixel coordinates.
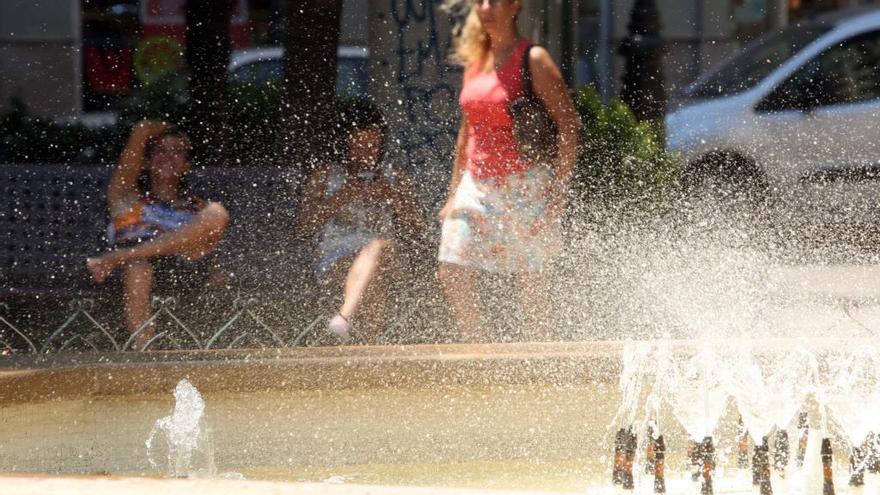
(426, 81)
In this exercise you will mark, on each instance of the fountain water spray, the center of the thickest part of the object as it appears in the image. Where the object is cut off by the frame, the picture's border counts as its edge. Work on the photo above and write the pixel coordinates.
(770, 388)
(185, 435)
(852, 396)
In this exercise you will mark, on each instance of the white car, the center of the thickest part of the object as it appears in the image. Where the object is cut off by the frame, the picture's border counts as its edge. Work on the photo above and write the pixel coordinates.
(259, 65)
(797, 107)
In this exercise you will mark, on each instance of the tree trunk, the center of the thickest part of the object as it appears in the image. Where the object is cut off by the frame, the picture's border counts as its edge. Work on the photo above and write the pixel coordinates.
(311, 40)
(207, 55)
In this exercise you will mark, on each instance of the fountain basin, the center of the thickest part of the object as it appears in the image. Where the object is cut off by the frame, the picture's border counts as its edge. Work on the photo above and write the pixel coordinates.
(498, 416)
(46, 485)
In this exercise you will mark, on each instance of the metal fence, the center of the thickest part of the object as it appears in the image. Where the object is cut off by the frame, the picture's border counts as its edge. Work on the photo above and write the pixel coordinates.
(239, 324)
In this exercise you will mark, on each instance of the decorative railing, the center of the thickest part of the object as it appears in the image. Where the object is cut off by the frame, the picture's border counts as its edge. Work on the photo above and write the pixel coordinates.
(241, 326)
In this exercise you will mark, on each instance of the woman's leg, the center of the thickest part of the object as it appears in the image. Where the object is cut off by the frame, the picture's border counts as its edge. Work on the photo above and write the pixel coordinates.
(534, 293)
(137, 280)
(460, 287)
(193, 240)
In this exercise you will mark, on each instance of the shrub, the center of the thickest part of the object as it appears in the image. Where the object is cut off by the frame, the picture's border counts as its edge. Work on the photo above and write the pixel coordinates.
(622, 160)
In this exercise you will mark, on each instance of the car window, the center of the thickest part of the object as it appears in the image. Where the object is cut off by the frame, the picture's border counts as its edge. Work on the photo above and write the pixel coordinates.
(745, 70)
(351, 74)
(846, 73)
(258, 72)
(269, 70)
(243, 74)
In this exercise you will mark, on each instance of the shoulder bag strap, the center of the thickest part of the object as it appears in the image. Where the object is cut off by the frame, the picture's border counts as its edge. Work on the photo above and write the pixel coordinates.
(526, 74)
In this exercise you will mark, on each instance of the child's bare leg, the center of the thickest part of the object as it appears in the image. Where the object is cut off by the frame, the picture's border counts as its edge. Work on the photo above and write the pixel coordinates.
(460, 287)
(137, 286)
(363, 270)
(193, 240)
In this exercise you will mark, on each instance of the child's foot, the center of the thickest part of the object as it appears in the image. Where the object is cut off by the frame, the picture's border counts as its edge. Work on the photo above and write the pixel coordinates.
(100, 268)
(339, 327)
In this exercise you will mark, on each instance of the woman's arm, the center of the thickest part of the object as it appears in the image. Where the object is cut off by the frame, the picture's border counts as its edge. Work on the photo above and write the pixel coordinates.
(458, 167)
(549, 86)
(122, 191)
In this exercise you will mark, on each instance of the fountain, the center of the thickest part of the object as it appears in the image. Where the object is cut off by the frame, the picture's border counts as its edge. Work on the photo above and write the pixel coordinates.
(545, 416)
(768, 387)
(185, 436)
(712, 395)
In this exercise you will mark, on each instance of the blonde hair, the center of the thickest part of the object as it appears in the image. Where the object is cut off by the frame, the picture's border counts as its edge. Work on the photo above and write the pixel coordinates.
(470, 41)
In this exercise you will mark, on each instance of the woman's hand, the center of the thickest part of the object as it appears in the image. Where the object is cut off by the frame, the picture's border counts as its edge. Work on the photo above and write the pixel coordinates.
(445, 211)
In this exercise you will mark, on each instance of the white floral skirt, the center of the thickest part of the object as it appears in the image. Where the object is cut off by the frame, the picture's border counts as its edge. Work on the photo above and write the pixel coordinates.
(500, 224)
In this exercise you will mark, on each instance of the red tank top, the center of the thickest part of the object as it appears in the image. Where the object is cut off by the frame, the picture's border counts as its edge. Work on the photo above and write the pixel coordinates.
(491, 147)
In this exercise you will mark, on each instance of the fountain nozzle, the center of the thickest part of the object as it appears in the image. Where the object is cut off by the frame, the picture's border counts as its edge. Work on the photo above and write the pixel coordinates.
(828, 475)
(706, 455)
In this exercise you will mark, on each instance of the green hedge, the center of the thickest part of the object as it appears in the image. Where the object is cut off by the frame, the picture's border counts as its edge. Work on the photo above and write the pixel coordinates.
(622, 160)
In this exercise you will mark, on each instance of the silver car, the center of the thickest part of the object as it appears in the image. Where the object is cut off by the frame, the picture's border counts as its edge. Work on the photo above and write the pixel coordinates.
(798, 107)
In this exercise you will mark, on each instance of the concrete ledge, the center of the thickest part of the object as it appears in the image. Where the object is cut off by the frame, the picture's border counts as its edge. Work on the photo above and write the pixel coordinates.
(48, 377)
(51, 485)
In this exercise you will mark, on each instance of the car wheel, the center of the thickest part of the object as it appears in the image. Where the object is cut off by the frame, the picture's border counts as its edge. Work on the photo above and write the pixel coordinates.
(730, 196)
(728, 179)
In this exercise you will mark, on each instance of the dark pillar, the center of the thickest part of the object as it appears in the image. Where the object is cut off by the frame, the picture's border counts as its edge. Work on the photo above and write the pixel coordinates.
(650, 452)
(311, 41)
(857, 463)
(803, 436)
(643, 86)
(761, 467)
(624, 455)
(207, 56)
(630, 457)
(619, 460)
(874, 453)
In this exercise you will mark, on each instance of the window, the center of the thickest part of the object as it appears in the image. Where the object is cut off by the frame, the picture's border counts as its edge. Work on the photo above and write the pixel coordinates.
(846, 73)
(755, 62)
(351, 74)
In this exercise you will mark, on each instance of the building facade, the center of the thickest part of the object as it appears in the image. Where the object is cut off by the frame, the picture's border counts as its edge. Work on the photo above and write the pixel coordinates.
(66, 57)
(697, 33)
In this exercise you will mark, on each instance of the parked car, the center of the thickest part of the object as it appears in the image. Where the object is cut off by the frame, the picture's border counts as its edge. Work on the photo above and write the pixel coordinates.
(794, 107)
(260, 65)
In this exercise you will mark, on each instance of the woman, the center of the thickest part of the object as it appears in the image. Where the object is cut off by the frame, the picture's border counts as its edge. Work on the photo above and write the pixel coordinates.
(502, 213)
(359, 209)
(154, 228)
